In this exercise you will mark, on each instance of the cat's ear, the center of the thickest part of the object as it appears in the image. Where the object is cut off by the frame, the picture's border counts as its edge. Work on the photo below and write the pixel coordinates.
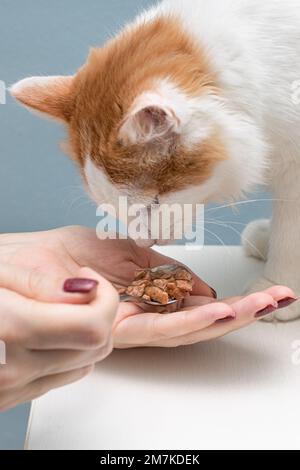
(150, 120)
(51, 96)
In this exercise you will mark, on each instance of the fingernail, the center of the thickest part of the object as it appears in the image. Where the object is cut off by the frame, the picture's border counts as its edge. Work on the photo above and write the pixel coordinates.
(79, 286)
(286, 302)
(226, 319)
(214, 293)
(266, 311)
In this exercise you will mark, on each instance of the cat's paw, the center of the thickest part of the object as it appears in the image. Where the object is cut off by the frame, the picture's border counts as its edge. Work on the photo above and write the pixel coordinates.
(255, 239)
(283, 314)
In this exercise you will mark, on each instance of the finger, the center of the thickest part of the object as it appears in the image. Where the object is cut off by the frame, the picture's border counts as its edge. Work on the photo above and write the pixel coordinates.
(148, 327)
(283, 295)
(200, 287)
(64, 326)
(197, 301)
(28, 365)
(42, 386)
(45, 384)
(47, 363)
(246, 311)
(126, 310)
(55, 287)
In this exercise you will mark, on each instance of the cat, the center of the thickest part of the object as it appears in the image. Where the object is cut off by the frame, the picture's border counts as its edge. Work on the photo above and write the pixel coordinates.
(195, 101)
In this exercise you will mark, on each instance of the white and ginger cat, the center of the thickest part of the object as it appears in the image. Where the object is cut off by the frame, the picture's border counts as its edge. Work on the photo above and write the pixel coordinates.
(193, 102)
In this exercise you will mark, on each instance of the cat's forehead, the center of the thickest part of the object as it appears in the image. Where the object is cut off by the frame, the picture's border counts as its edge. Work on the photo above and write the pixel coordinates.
(131, 62)
(114, 79)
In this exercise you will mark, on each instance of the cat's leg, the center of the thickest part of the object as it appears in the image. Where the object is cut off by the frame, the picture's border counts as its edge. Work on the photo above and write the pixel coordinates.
(256, 239)
(283, 249)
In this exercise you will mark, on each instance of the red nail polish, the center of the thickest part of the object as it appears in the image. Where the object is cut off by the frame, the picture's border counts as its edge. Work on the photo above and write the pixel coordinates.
(266, 311)
(226, 319)
(79, 286)
(286, 302)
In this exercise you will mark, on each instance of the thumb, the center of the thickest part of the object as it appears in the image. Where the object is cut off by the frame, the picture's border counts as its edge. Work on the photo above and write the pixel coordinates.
(56, 287)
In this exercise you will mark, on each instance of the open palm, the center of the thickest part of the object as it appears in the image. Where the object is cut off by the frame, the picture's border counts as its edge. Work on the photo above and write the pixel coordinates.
(60, 253)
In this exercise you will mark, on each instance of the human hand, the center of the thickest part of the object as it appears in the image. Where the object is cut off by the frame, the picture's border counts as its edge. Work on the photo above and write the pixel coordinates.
(63, 251)
(202, 319)
(51, 344)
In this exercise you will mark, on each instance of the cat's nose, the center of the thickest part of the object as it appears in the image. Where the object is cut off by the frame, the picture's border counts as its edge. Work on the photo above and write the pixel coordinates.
(155, 203)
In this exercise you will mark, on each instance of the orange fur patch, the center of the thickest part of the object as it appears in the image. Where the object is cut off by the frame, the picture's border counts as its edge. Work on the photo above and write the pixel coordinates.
(106, 88)
(96, 101)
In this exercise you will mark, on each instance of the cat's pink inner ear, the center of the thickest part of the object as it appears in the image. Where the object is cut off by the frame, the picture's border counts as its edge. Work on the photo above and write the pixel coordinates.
(147, 125)
(51, 96)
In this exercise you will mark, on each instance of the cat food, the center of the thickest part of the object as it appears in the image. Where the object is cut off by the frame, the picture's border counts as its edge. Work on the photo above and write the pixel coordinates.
(161, 286)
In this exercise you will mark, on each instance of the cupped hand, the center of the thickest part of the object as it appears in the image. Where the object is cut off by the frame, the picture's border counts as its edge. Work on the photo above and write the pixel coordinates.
(63, 251)
(202, 319)
(49, 344)
(60, 253)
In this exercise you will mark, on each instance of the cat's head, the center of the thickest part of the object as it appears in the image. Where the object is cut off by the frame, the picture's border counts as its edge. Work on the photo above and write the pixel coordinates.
(147, 118)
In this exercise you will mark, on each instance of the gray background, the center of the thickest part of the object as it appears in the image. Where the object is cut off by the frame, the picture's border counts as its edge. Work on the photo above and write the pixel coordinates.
(39, 187)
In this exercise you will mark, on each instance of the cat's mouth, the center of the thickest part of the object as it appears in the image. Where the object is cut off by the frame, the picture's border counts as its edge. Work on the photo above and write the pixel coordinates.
(154, 227)
(158, 236)
(167, 225)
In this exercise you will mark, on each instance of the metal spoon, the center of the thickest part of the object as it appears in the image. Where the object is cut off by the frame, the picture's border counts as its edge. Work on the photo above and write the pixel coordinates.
(171, 306)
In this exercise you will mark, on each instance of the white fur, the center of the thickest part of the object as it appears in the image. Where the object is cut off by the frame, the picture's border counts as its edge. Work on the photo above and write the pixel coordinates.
(30, 82)
(254, 47)
(101, 190)
(256, 238)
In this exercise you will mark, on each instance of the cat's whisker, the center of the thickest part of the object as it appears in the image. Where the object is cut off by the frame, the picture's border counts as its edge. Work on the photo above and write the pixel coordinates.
(250, 201)
(218, 238)
(79, 201)
(227, 222)
(238, 233)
